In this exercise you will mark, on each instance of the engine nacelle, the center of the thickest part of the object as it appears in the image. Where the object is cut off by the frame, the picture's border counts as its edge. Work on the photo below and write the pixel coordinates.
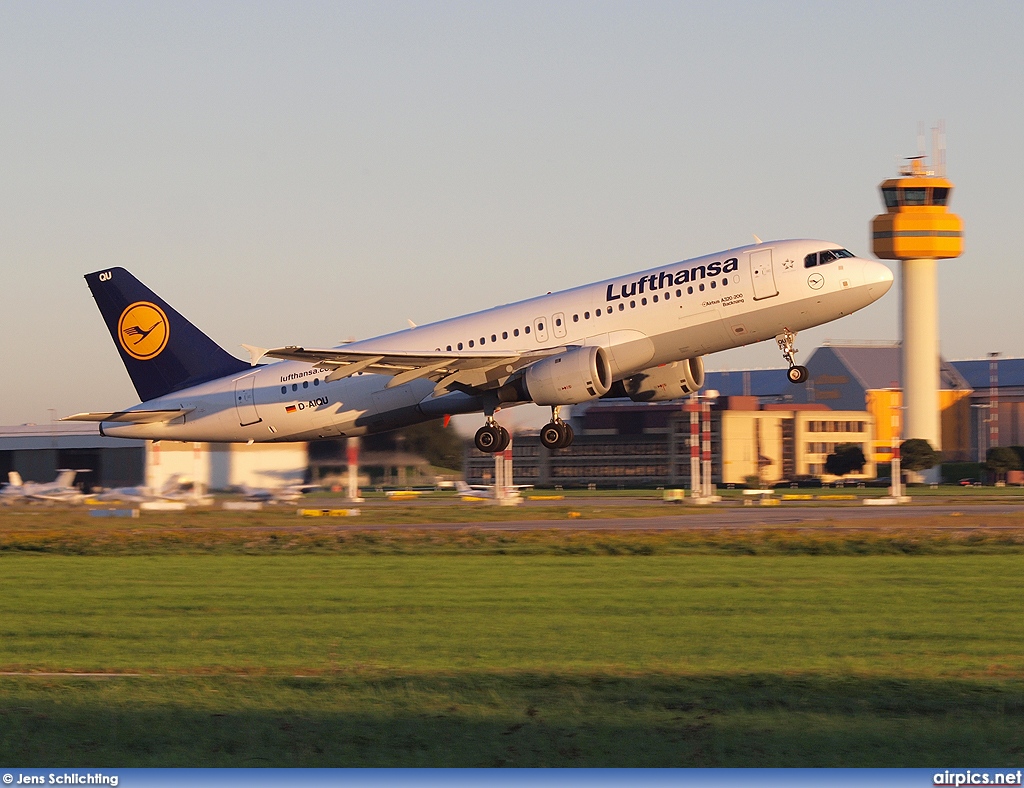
(667, 382)
(578, 375)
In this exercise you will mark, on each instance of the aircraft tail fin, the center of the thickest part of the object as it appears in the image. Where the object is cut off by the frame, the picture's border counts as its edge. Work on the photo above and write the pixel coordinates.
(14, 478)
(162, 351)
(65, 477)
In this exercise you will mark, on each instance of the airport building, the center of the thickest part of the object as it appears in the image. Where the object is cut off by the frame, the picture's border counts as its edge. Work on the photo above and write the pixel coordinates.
(761, 425)
(37, 452)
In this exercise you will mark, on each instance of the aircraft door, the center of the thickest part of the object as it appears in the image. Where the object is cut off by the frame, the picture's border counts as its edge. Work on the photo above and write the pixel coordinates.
(762, 274)
(558, 325)
(540, 329)
(245, 401)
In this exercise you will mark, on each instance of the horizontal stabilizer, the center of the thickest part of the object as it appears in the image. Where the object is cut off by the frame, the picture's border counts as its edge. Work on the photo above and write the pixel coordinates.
(131, 416)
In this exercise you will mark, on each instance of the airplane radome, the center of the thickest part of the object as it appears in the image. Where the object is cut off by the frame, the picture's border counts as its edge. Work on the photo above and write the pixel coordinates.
(641, 336)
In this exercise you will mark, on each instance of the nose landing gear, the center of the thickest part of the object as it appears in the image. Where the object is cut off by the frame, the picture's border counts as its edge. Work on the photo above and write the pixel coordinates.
(796, 372)
(557, 434)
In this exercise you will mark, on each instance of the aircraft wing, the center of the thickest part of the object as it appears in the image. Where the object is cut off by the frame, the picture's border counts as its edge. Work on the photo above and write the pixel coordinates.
(131, 416)
(460, 370)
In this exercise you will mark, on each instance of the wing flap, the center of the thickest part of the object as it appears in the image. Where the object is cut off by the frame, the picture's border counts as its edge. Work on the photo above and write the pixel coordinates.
(131, 416)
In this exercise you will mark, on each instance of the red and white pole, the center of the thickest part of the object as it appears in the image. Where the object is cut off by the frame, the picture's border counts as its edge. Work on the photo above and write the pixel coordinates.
(695, 485)
(706, 448)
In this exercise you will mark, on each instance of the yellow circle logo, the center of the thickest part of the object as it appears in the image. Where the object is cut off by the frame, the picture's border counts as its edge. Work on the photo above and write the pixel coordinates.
(143, 330)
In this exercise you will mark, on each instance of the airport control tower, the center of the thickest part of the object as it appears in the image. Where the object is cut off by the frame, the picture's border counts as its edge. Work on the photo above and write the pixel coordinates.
(918, 230)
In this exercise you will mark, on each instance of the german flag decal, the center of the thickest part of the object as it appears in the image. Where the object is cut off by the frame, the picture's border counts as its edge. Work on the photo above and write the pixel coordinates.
(289, 409)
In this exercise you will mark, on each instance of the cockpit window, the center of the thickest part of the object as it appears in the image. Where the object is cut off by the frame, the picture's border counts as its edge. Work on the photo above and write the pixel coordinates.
(914, 196)
(826, 257)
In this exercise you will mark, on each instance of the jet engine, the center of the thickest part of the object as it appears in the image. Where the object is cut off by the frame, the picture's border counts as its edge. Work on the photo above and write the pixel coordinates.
(578, 375)
(667, 382)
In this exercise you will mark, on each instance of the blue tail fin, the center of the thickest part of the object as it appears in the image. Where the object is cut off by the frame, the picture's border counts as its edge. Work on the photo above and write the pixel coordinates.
(162, 351)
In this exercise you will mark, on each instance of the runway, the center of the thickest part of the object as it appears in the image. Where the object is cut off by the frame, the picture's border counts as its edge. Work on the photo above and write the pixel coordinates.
(734, 517)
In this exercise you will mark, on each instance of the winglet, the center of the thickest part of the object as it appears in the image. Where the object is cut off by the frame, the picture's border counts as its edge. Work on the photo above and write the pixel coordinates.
(255, 353)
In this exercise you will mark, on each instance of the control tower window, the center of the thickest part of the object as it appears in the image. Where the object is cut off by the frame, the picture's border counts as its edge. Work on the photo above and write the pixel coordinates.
(891, 198)
(915, 196)
(940, 195)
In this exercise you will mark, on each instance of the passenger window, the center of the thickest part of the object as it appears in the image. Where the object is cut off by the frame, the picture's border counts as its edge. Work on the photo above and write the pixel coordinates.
(586, 315)
(504, 334)
(295, 386)
(527, 329)
(655, 298)
(558, 321)
(460, 346)
(471, 343)
(689, 290)
(483, 340)
(284, 389)
(702, 287)
(449, 348)
(725, 281)
(575, 318)
(515, 332)
(305, 384)
(679, 293)
(597, 313)
(494, 337)
(316, 381)
(622, 307)
(632, 304)
(643, 302)
(714, 284)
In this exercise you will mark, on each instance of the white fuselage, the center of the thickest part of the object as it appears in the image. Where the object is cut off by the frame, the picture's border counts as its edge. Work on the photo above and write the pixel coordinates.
(653, 317)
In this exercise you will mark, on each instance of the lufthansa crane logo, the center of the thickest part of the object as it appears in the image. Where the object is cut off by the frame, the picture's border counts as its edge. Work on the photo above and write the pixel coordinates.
(143, 330)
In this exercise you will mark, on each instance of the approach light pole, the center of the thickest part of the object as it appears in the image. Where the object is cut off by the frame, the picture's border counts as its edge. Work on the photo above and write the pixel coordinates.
(701, 489)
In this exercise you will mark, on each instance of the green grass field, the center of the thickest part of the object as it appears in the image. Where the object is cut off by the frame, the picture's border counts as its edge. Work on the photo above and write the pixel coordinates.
(553, 656)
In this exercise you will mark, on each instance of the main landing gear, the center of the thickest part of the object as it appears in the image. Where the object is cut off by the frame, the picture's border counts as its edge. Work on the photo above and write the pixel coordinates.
(556, 434)
(796, 372)
(492, 437)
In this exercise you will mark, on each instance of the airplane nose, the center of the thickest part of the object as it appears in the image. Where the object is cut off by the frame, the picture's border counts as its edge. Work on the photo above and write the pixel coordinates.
(877, 275)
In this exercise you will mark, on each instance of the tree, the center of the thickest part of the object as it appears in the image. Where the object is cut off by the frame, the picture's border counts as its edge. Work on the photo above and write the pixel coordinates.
(917, 454)
(847, 458)
(1001, 459)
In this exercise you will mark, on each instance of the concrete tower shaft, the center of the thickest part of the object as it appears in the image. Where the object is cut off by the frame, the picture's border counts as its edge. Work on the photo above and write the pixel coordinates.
(919, 318)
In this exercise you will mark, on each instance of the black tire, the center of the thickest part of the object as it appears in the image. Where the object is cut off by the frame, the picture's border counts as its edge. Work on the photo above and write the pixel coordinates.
(552, 435)
(487, 439)
(569, 436)
(504, 440)
(797, 374)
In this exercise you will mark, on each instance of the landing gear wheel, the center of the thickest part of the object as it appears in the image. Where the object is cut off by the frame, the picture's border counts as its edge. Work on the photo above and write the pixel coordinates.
(504, 441)
(557, 435)
(488, 438)
(797, 374)
(553, 435)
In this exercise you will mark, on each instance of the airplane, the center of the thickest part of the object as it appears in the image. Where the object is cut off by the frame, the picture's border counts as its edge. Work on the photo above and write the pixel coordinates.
(470, 492)
(642, 336)
(287, 494)
(61, 490)
(173, 489)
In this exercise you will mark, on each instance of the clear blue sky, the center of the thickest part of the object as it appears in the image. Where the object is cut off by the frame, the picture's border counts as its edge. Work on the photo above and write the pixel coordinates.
(303, 173)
